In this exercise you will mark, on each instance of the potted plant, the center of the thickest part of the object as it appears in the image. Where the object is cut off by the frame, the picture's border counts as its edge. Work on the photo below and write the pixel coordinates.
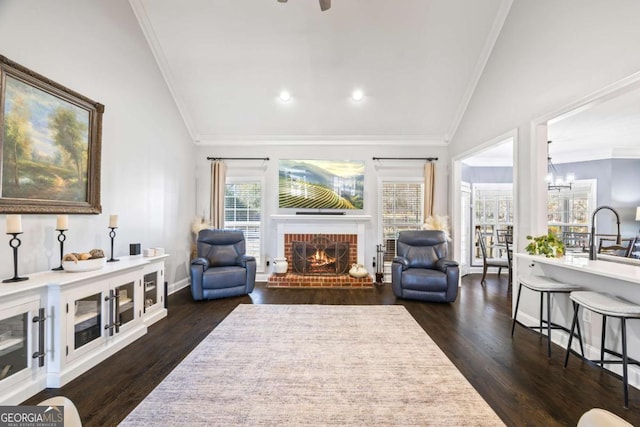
(548, 245)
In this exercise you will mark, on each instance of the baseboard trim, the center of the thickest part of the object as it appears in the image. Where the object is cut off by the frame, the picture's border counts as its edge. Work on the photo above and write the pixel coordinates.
(176, 286)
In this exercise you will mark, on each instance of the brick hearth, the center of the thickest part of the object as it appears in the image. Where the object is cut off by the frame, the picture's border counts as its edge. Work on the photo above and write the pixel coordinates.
(290, 280)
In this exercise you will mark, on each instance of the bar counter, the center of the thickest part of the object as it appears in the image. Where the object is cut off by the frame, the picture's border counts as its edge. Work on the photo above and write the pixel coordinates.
(608, 274)
(607, 266)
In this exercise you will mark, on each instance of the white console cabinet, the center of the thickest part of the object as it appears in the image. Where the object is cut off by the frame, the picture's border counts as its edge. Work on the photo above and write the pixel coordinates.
(88, 316)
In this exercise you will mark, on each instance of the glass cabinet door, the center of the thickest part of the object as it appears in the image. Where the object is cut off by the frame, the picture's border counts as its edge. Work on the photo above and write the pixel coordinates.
(22, 348)
(13, 345)
(125, 312)
(151, 283)
(87, 320)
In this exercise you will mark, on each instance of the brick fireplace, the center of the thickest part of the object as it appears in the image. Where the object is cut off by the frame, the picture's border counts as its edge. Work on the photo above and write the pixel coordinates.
(318, 243)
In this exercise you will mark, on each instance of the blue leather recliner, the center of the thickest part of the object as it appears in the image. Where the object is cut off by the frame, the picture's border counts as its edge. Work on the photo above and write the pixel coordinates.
(222, 268)
(421, 270)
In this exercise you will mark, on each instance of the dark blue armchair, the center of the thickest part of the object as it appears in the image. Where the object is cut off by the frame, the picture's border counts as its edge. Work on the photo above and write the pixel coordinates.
(222, 268)
(421, 270)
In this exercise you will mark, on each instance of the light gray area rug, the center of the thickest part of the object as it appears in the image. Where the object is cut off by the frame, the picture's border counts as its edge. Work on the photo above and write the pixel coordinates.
(315, 365)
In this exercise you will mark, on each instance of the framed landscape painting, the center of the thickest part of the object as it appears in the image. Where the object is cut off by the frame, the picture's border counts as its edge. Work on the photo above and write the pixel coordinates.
(50, 142)
(321, 184)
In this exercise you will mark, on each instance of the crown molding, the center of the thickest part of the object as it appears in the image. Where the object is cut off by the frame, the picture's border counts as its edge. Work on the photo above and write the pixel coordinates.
(363, 140)
(608, 92)
(485, 54)
(625, 153)
(593, 155)
(141, 15)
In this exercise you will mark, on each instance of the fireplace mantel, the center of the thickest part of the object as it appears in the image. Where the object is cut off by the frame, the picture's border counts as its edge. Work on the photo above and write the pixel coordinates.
(321, 218)
(321, 224)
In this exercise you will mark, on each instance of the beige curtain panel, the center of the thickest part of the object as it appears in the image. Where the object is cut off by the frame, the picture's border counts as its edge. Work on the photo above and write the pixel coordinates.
(429, 184)
(218, 177)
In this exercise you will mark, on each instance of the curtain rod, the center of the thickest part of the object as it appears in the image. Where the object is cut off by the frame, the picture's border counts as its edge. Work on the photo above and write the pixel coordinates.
(237, 158)
(428, 159)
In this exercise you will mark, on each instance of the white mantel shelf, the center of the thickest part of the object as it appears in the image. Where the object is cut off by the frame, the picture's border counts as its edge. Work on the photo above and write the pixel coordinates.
(321, 218)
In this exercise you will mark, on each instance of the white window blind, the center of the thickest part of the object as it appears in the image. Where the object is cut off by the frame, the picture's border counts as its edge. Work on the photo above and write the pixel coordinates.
(402, 209)
(243, 211)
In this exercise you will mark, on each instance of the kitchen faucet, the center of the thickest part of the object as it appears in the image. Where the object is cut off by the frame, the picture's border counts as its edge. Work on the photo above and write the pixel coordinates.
(592, 239)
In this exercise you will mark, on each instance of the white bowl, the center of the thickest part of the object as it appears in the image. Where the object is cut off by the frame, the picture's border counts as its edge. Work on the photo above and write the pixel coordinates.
(86, 265)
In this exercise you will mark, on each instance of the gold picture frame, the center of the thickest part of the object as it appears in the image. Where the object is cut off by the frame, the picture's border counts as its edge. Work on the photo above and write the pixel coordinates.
(50, 145)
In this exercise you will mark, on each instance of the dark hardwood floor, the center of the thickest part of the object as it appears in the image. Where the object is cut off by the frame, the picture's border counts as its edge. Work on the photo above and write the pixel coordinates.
(513, 375)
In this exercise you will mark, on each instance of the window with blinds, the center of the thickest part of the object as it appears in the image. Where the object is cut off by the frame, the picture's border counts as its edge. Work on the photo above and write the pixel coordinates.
(402, 209)
(243, 211)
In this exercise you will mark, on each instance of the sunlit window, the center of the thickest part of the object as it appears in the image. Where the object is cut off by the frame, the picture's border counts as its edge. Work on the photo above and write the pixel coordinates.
(402, 209)
(568, 209)
(492, 212)
(243, 211)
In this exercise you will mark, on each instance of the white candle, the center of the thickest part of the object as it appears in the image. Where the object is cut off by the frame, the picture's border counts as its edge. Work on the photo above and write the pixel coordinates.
(63, 222)
(14, 224)
(113, 221)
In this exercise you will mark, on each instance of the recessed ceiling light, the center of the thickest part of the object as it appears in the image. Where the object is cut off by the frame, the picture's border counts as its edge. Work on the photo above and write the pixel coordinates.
(285, 96)
(357, 95)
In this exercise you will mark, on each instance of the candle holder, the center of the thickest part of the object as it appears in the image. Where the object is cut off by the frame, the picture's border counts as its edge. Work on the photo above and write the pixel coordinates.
(112, 234)
(15, 244)
(61, 239)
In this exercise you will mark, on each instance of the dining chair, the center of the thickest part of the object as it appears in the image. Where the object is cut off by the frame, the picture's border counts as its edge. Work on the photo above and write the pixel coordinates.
(635, 248)
(502, 235)
(608, 246)
(487, 262)
(509, 245)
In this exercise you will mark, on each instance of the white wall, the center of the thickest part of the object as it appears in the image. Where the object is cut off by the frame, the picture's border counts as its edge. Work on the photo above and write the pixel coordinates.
(97, 49)
(548, 55)
(324, 150)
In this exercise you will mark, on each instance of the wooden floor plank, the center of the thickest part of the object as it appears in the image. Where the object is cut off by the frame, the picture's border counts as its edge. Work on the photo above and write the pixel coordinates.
(514, 376)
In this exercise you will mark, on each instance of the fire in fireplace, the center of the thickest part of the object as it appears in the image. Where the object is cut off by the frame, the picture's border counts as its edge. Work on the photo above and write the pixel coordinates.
(320, 256)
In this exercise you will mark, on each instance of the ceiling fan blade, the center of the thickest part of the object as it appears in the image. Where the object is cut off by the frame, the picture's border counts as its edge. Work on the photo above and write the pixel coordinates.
(325, 4)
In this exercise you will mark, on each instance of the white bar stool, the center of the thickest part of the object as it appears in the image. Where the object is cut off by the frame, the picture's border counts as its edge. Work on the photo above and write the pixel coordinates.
(597, 417)
(545, 286)
(606, 306)
(71, 415)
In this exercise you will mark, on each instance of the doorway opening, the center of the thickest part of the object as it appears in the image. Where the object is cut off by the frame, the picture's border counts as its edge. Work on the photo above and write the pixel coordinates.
(483, 205)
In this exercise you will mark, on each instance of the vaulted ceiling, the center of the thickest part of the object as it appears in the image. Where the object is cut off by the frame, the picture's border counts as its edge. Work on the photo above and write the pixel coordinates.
(416, 61)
